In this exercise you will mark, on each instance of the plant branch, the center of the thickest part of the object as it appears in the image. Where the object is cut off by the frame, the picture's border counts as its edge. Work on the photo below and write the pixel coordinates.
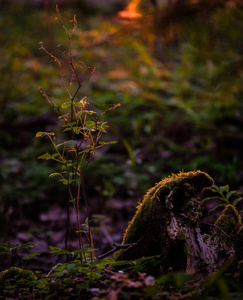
(60, 67)
(116, 248)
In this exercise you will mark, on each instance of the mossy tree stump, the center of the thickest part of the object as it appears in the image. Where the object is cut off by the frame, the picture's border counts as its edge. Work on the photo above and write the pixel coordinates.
(168, 222)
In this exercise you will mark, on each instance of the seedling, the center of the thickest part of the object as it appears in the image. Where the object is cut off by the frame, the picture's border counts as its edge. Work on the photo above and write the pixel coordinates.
(13, 251)
(84, 128)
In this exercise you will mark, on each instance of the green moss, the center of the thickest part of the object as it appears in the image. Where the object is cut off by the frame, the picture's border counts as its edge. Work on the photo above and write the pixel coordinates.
(15, 273)
(184, 185)
(228, 222)
(181, 235)
(193, 209)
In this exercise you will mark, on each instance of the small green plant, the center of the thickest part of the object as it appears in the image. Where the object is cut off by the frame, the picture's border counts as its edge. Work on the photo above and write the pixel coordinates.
(72, 254)
(226, 196)
(13, 277)
(13, 251)
(88, 270)
(84, 128)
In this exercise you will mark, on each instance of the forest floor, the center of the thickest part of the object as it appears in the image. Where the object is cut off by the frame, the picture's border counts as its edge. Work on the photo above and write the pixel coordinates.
(49, 229)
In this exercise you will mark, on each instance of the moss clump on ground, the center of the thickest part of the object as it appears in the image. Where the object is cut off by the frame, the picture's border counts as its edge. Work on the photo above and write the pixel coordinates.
(229, 222)
(178, 193)
(15, 274)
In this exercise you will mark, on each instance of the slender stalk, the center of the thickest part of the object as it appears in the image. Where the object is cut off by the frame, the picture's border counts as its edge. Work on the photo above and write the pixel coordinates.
(76, 209)
(67, 228)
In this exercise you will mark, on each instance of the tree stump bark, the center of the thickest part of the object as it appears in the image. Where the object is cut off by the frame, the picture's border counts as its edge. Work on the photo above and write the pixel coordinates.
(169, 222)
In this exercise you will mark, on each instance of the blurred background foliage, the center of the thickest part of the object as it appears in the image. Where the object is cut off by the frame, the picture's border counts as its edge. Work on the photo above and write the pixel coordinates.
(176, 67)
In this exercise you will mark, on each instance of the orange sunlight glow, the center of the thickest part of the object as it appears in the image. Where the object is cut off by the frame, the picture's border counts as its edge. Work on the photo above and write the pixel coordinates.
(131, 11)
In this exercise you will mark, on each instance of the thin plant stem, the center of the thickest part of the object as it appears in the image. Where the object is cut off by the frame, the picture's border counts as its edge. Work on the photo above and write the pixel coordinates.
(67, 228)
(76, 209)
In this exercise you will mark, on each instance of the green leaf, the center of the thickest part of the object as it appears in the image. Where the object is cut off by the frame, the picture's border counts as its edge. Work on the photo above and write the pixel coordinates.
(4, 248)
(66, 104)
(102, 127)
(107, 143)
(68, 143)
(90, 125)
(68, 165)
(85, 250)
(213, 209)
(67, 129)
(78, 104)
(55, 174)
(10, 287)
(93, 275)
(236, 201)
(85, 151)
(123, 264)
(67, 282)
(64, 181)
(229, 194)
(70, 124)
(214, 188)
(70, 267)
(71, 143)
(40, 284)
(18, 247)
(80, 231)
(88, 112)
(26, 245)
(45, 156)
(208, 198)
(31, 255)
(215, 197)
(224, 188)
(59, 251)
(40, 134)
(112, 142)
(48, 156)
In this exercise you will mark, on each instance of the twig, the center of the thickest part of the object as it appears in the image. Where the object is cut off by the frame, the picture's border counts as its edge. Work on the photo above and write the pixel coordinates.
(224, 233)
(60, 67)
(116, 247)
